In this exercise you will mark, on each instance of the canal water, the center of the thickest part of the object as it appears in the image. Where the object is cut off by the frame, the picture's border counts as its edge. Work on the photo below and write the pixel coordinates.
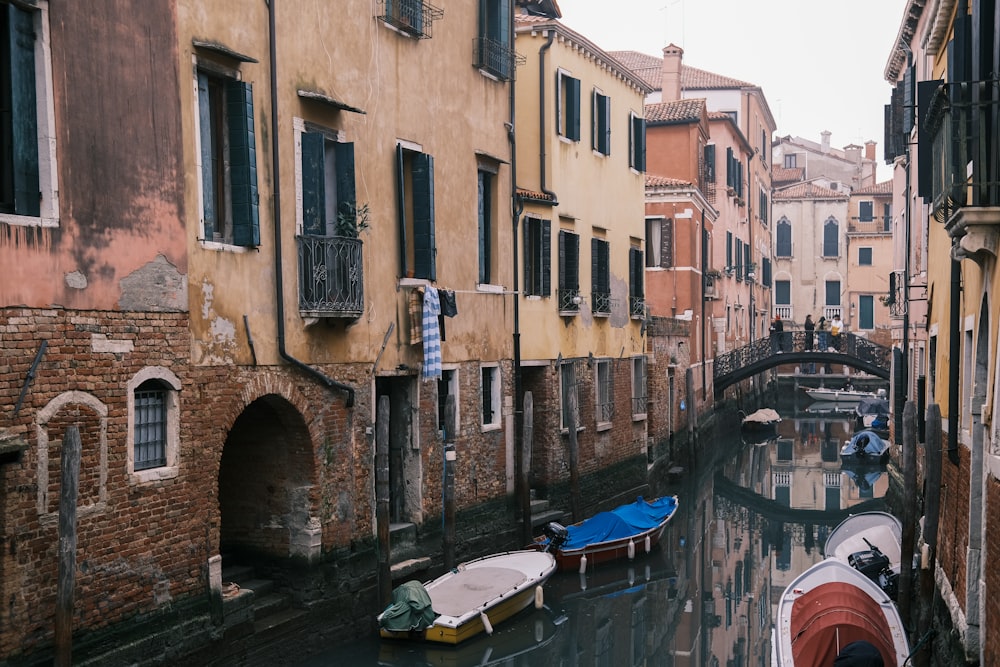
(751, 516)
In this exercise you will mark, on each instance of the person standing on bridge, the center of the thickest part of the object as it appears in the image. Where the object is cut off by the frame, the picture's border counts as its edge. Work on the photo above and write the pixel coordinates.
(777, 328)
(808, 325)
(836, 328)
(821, 326)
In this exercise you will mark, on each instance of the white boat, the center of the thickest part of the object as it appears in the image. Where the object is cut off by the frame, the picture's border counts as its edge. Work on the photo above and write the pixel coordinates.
(871, 543)
(831, 608)
(840, 395)
(469, 599)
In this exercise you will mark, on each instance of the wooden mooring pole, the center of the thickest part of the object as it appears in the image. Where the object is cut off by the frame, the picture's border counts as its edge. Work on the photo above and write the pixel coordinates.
(574, 459)
(382, 499)
(449, 482)
(932, 510)
(68, 488)
(909, 518)
(524, 480)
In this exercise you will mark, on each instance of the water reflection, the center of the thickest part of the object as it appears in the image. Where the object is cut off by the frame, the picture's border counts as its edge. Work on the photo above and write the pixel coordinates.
(751, 517)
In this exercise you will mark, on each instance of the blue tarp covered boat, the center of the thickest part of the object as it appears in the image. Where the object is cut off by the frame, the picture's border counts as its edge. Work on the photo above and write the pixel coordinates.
(624, 531)
(865, 447)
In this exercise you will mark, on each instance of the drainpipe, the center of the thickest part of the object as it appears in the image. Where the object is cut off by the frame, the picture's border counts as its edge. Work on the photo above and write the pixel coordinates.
(704, 324)
(541, 116)
(954, 355)
(329, 382)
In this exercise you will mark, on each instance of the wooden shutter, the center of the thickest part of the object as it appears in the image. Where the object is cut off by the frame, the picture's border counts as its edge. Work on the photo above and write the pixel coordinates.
(710, 163)
(424, 248)
(636, 271)
(546, 258)
(569, 261)
(404, 269)
(484, 226)
(27, 195)
(639, 143)
(729, 249)
(208, 193)
(313, 184)
(346, 197)
(600, 278)
(242, 163)
(573, 108)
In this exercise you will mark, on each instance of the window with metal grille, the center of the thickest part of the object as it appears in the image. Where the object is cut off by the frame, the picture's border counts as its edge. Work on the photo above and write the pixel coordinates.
(568, 387)
(604, 387)
(150, 425)
(639, 396)
(866, 210)
(491, 395)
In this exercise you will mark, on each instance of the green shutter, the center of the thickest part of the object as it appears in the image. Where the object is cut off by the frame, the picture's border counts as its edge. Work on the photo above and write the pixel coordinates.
(595, 264)
(401, 209)
(347, 203)
(729, 249)
(208, 193)
(640, 143)
(27, 195)
(710, 163)
(242, 163)
(573, 108)
(546, 258)
(424, 249)
(636, 271)
(313, 184)
(605, 125)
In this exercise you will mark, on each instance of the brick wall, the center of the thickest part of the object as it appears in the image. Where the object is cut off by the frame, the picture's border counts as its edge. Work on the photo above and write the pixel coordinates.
(953, 528)
(991, 552)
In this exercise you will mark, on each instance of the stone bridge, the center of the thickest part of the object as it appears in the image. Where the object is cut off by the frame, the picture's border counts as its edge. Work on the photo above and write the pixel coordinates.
(792, 347)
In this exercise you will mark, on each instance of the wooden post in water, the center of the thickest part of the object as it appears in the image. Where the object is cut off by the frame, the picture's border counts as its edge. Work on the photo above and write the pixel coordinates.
(909, 518)
(574, 458)
(382, 499)
(449, 482)
(524, 480)
(932, 510)
(68, 488)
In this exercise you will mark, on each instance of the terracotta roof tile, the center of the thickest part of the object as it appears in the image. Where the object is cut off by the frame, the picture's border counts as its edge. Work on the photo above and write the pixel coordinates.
(650, 69)
(883, 188)
(653, 181)
(807, 191)
(675, 112)
(534, 195)
(786, 175)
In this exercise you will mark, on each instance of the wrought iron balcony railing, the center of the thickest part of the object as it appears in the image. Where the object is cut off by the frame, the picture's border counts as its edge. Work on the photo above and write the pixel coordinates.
(331, 279)
(569, 301)
(637, 307)
(413, 17)
(600, 303)
(496, 58)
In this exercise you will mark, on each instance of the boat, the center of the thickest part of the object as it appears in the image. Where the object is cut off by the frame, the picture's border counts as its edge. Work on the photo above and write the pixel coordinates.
(873, 414)
(871, 543)
(469, 599)
(841, 395)
(764, 418)
(832, 609)
(865, 447)
(623, 532)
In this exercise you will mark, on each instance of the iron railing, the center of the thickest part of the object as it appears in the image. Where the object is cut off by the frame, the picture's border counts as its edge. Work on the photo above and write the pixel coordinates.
(413, 17)
(637, 307)
(802, 341)
(600, 303)
(331, 277)
(569, 301)
(496, 57)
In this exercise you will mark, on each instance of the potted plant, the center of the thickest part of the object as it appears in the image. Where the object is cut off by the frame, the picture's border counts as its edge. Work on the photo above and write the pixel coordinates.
(351, 219)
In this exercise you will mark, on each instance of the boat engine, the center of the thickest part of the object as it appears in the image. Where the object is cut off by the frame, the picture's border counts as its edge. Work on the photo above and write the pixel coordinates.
(875, 565)
(557, 534)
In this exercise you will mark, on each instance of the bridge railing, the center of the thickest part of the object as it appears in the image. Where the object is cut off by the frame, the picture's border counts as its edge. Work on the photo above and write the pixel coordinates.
(803, 341)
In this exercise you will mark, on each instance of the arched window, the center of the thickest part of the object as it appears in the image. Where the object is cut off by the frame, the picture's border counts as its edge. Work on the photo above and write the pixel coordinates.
(153, 428)
(783, 238)
(831, 238)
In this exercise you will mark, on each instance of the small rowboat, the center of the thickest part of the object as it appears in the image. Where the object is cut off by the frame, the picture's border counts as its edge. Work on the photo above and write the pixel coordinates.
(865, 447)
(871, 543)
(623, 532)
(469, 599)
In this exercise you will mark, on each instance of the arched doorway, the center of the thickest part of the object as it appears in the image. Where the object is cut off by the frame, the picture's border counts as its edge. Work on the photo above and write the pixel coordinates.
(266, 490)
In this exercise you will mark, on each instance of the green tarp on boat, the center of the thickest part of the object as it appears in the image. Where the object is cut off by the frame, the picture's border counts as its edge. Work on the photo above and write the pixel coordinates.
(410, 609)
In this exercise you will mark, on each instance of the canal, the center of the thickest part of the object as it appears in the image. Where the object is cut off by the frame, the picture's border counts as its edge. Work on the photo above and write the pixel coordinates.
(752, 515)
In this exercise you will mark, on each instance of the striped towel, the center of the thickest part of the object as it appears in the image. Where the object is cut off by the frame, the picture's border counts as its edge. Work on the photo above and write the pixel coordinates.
(432, 335)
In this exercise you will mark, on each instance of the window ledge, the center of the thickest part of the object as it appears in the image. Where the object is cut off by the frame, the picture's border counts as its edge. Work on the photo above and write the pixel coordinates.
(533, 297)
(486, 428)
(641, 417)
(489, 289)
(154, 475)
(601, 315)
(604, 426)
(565, 431)
(28, 220)
(224, 247)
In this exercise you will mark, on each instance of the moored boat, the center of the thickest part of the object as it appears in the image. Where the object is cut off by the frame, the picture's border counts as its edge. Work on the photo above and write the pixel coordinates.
(840, 395)
(762, 419)
(626, 531)
(469, 599)
(865, 447)
(832, 608)
(871, 543)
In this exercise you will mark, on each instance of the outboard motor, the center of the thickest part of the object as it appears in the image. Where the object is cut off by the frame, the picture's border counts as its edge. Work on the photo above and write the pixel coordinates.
(557, 535)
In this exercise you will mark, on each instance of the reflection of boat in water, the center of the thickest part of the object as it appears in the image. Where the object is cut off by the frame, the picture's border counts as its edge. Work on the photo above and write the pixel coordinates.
(865, 447)
(871, 543)
(467, 600)
(863, 479)
(764, 418)
(627, 530)
(612, 579)
(828, 407)
(832, 606)
(873, 414)
(515, 640)
(851, 396)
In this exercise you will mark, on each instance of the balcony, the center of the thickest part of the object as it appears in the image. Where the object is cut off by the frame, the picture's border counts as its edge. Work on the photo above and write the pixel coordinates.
(331, 279)
(874, 225)
(600, 303)
(962, 124)
(637, 307)
(569, 301)
(496, 58)
(412, 17)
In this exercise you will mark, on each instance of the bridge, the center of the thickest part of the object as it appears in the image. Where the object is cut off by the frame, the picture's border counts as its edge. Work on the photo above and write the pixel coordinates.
(790, 347)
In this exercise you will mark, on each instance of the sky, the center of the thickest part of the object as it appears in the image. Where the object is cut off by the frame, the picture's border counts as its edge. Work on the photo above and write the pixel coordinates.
(821, 65)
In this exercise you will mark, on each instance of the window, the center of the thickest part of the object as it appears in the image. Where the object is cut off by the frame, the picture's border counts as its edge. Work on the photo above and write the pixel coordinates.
(600, 277)
(729, 253)
(604, 388)
(407, 15)
(762, 206)
(639, 396)
(328, 199)
(734, 173)
(487, 177)
(637, 142)
(660, 242)
(738, 250)
(568, 106)
(636, 284)
(569, 271)
(537, 257)
(569, 396)
(28, 182)
(782, 292)
(866, 312)
(833, 294)
(494, 54)
(415, 202)
(831, 234)
(601, 125)
(783, 238)
(864, 256)
(886, 217)
(153, 428)
(708, 154)
(790, 161)
(866, 210)
(228, 160)
(491, 396)
(447, 388)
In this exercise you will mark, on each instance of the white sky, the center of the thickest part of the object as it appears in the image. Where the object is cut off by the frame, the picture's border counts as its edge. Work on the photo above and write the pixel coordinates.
(820, 64)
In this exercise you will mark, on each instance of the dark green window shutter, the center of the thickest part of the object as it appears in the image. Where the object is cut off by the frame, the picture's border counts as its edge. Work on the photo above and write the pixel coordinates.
(242, 163)
(605, 117)
(639, 143)
(485, 197)
(729, 249)
(636, 269)
(569, 261)
(313, 184)
(209, 195)
(27, 197)
(346, 195)
(573, 108)
(600, 278)
(546, 258)
(424, 249)
(401, 209)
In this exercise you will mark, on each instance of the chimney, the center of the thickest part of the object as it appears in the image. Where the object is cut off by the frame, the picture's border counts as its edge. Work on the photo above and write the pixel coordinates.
(670, 84)
(870, 150)
(825, 134)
